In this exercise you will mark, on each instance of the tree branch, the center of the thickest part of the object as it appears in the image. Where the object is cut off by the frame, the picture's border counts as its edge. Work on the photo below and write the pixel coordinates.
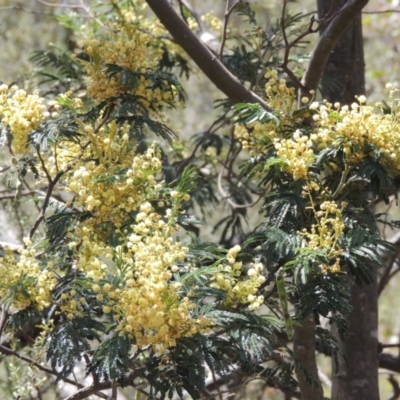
(202, 56)
(327, 42)
(89, 390)
(96, 387)
(389, 362)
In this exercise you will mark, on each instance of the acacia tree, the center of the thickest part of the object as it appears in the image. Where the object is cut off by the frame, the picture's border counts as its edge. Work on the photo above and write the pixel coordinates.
(108, 281)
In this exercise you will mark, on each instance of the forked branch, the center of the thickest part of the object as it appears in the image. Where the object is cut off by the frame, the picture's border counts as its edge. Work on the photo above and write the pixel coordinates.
(327, 42)
(202, 56)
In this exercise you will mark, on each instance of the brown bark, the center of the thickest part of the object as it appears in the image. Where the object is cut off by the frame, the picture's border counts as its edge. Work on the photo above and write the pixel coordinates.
(304, 349)
(202, 56)
(344, 75)
(358, 378)
(330, 36)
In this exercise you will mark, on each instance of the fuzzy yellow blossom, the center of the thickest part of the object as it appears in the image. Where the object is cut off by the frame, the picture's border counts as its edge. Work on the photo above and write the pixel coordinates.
(120, 186)
(305, 100)
(356, 127)
(149, 308)
(108, 198)
(239, 291)
(297, 154)
(258, 137)
(126, 47)
(334, 268)
(280, 97)
(211, 153)
(21, 113)
(24, 281)
(326, 231)
(213, 21)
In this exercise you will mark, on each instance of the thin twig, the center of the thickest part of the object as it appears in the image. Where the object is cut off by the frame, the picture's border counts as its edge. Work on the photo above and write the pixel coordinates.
(45, 203)
(395, 386)
(114, 392)
(226, 195)
(12, 196)
(289, 46)
(217, 124)
(228, 12)
(182, 12)
(342, 183)
(93, 372)
(381, 12)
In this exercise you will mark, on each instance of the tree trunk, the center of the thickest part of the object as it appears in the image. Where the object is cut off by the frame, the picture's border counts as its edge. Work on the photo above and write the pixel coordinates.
(344, 75)
(304, 350)
(357, 373)
(358, 377)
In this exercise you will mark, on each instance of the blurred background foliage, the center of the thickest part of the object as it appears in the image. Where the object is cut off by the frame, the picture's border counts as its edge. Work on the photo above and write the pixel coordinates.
(30, 25)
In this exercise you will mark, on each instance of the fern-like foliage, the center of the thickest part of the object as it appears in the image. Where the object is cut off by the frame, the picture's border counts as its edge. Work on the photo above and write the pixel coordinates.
(58, 71)
(70, 340)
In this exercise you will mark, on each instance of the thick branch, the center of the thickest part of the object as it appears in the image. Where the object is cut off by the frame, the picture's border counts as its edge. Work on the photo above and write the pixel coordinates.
(202, 56)
(96, 387)
(327, 42)
(89, 390)
(389, 362)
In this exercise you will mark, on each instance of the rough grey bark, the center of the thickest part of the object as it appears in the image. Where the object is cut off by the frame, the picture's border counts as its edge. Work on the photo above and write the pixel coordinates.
(342, 80)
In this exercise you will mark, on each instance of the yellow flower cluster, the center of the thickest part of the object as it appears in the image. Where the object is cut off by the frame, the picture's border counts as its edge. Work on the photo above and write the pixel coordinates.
(213, 21)
(257, 137)
(325, 233)
(297, 154)
(116, 185)
(24, 282)
(239, 291)
(333, 269)
(128, 48)
(22, 113)
(279, 96)
(149, 306)
(112, 189)
(357, 126)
